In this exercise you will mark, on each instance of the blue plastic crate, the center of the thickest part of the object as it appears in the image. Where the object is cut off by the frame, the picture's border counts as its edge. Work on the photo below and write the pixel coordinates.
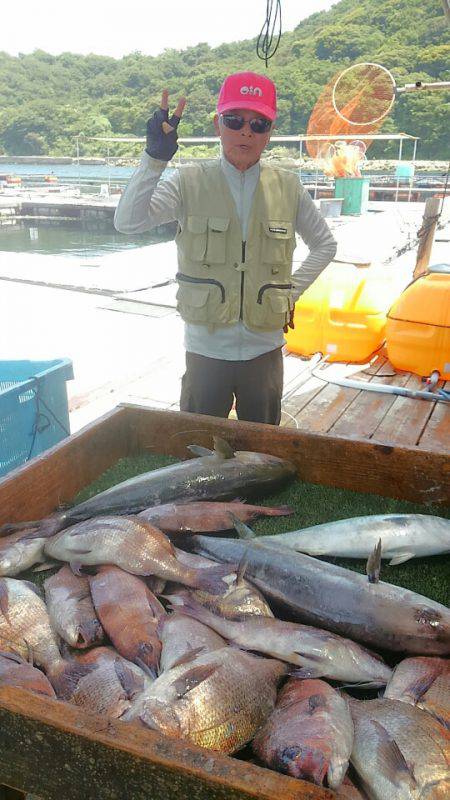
(34, 414)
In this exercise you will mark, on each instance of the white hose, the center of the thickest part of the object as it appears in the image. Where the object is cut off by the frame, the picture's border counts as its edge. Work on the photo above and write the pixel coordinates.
(385, 388)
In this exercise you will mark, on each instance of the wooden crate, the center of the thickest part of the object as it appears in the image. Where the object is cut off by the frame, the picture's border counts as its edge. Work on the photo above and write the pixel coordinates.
(58, 751)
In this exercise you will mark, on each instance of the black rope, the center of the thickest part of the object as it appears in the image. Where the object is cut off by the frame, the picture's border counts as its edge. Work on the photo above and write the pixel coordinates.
(266, 47)
(42, 421)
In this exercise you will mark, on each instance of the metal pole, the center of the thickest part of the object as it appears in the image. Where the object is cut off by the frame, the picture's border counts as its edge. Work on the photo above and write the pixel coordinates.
(414, 170)
(109, 171)
(399, 159)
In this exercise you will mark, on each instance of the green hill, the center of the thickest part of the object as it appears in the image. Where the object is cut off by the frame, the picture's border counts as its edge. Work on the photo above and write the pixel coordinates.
(45, 100)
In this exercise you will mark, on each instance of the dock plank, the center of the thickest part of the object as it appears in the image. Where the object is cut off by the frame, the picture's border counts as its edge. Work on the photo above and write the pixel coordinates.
(436, 435)
(406, 419)
(368, 409)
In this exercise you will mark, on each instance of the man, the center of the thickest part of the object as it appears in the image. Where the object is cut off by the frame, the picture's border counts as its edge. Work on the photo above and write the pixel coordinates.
(237, 223)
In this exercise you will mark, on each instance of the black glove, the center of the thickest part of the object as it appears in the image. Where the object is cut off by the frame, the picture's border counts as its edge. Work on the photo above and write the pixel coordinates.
(290, 324)
(162, 144)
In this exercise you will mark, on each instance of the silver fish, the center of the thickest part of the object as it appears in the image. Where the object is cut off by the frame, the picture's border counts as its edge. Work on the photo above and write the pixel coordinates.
(403, 536)
(18, 552)
(317, 653)
(337, 599)
(70, 609)
(400, 752)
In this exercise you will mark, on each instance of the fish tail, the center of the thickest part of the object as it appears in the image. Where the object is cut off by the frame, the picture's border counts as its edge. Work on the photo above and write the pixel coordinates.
(211, 580)
(277, 511)
(66, 676)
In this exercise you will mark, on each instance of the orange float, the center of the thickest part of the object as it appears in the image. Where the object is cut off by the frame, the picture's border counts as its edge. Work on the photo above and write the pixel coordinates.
(418, 326)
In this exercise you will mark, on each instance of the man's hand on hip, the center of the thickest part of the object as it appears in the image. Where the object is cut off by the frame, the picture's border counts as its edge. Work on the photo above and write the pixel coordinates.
(162, 131)
(291, 323)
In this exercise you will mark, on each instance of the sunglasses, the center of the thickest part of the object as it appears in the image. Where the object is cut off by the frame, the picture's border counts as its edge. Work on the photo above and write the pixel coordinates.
(236, 122)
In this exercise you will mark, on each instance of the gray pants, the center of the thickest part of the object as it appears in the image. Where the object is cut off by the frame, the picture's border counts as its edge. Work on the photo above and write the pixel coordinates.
(209, 386)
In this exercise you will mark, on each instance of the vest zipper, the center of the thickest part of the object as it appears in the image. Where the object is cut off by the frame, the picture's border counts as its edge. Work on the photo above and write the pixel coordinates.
(272, 286)
(188, 279)
(241, 311)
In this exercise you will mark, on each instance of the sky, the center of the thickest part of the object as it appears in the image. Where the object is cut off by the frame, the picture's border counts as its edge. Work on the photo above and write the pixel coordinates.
(108, 27)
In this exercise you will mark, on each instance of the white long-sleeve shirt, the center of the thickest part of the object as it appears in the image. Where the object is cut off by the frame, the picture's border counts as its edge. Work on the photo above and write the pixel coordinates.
(149, 201)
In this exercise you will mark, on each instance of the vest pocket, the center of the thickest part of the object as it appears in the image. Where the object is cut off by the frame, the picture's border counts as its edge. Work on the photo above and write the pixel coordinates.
(217, 239)
(277, 244)
(272, 308)
(199, 299)
(197, 237)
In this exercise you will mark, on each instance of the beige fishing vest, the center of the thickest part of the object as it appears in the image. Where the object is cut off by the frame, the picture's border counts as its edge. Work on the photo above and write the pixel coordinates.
(221, 279)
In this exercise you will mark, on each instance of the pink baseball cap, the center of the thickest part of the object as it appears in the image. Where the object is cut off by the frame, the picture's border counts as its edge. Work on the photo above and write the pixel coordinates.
(248, 90)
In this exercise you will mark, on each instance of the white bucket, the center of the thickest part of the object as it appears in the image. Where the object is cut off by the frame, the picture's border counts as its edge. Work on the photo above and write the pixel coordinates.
(331, 206)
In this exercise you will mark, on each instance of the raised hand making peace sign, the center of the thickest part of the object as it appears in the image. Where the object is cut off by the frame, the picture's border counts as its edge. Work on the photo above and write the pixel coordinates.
(162, 131)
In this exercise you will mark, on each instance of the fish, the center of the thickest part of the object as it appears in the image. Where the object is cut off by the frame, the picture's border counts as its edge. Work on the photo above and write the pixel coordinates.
(111, 686)
(129, 614)
(181, 635)
(71, 610)
(348, 791)
(239, 599)
(424, 682)
(399, 752)
(403, 536)
(309, 735)
(206, 517)
(219, 474)
(133, 545)
(217, 701)
(14, 671)
(317, 653)
(327, 596)
(26, 631)
(18, 552)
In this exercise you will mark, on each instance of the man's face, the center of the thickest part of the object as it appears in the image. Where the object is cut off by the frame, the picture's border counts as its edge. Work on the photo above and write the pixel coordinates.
(242, 148)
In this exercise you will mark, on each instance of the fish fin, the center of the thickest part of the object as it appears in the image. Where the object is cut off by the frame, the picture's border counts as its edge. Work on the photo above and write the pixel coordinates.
(222, 448)
(46, 565)
(239, 500)
(33, 587)
(130, 682)
(211, 579)
(277, 511)
(13, 657)
(4, 604)
(243, 531)
(306, 672)
(392, 758)
(155, 606)
(417, 689)
(242, 567)
(150, 671)
(81, 551)
(193, 678)
(75, 566)
(400, 558)
(199, 451)
(66, 677)
(186, 658)
(90, 631)
(373, 566)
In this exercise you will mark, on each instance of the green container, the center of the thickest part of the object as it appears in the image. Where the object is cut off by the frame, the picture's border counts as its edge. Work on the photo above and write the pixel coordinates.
(355, 192)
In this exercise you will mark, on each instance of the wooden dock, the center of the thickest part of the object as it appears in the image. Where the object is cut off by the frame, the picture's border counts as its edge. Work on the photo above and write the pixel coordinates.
(385, 419)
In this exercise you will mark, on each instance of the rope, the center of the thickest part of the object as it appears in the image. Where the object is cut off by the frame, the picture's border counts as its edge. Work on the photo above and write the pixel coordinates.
(42, 421)
(265, 45)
